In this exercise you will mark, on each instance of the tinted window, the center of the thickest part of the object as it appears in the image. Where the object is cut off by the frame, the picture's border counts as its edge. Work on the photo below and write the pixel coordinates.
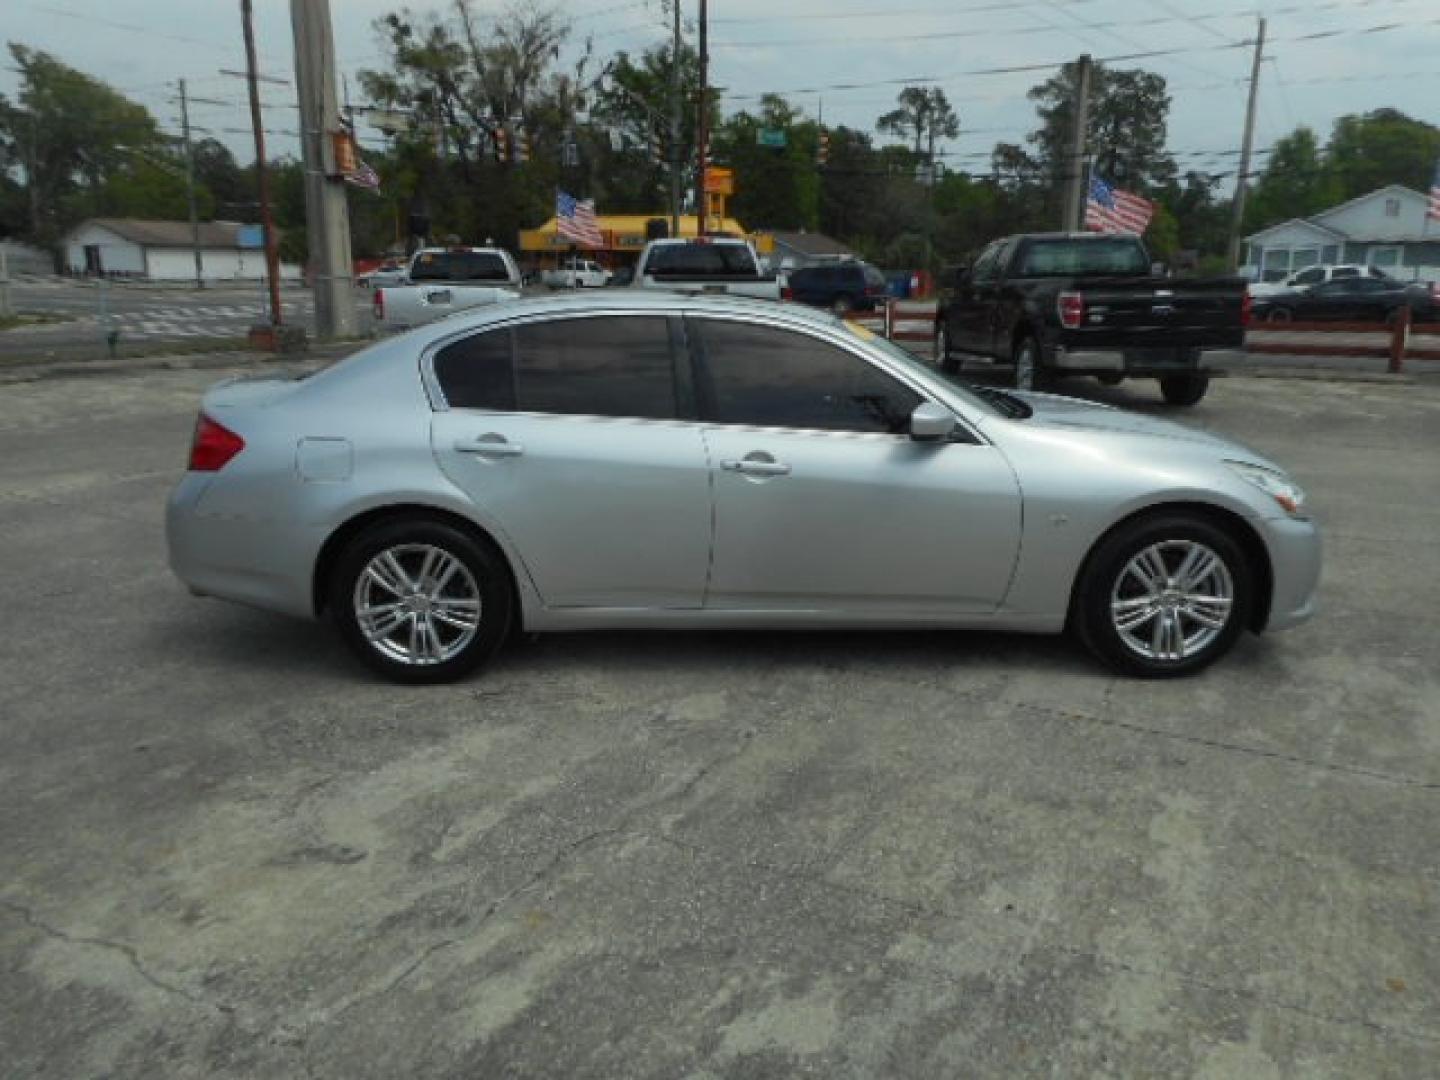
(1344, 272)
(1067, 258)
(459, 266)
(701, 260)
(605, 366)
(1308, 277)
(779, 378)
(985, 268)
(874, 277)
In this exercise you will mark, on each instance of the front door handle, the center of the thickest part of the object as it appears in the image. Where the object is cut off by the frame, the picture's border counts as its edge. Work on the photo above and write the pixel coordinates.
(751, 467)
(489, 446)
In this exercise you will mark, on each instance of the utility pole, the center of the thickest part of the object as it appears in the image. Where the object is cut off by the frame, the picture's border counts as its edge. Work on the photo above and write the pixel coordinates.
(1072, 213)
(190, 186)
(702, 129)
(262, 176)
(1237, 205)
(675, 124)
(327, 214)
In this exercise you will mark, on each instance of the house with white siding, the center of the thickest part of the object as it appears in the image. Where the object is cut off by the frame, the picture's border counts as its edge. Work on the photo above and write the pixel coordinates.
(162, 251)
(1387, 228)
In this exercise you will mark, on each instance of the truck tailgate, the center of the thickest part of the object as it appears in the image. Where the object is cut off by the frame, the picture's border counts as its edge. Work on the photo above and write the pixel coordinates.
(1159, 312)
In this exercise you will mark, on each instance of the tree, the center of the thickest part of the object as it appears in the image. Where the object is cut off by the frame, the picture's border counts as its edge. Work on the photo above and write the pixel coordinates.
(71, 133)
(1125, 131)
(775, 187)
(1296, 182)
(924, 116)
(1373, 149)
(217, 172)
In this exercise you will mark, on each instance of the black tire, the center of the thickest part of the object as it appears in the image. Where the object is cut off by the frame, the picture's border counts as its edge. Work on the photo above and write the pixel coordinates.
(1279, 314)
(947, 360)
(410, 539)
(1105, 578)
(1029, 375)
(841, 306)
(1184, 390)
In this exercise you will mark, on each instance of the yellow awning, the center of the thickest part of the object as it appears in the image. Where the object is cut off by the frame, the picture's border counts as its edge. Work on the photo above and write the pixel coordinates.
(622, 233)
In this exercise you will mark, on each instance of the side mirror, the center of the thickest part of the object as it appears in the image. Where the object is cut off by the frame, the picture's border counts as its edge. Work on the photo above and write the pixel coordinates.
(930, 422)
(1159, 269)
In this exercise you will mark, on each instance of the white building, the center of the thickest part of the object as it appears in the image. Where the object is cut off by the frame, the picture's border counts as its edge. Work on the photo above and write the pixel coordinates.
(1387, 228)
(161, 251)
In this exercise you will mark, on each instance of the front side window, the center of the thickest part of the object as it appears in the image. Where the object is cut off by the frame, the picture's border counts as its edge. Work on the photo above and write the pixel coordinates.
(985, 265)
(1310, 276)
(618, 365)
(767, 377)
(1345, 272)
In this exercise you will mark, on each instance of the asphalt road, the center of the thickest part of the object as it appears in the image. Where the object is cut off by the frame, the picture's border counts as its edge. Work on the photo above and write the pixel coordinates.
(226, 851)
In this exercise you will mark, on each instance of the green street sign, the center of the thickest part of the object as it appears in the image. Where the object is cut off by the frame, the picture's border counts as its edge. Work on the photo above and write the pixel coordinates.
(770, 137)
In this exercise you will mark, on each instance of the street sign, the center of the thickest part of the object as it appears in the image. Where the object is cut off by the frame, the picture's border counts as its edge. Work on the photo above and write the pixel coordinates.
(774, 137)
(719, 180)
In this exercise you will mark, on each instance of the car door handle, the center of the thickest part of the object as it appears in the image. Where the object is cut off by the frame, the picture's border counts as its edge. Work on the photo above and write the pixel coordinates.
(489, 446)
(756, 468)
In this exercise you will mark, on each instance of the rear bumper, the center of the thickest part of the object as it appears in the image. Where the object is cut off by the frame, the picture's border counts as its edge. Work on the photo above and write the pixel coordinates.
(1167, 361)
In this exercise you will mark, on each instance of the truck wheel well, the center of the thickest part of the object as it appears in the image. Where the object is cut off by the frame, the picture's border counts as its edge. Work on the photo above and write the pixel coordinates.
(341, 537)
(1243, 532)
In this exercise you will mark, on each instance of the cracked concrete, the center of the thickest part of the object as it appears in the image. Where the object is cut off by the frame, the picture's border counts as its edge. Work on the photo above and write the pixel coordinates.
(228, 853)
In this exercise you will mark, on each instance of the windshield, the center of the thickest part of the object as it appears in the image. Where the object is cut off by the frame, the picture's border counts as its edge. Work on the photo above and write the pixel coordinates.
(459, 266)
(701, 260)
(906, 360)
(1075, 258)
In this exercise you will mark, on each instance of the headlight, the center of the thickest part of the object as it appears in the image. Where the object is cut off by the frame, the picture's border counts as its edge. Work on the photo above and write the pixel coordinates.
(1288, 495)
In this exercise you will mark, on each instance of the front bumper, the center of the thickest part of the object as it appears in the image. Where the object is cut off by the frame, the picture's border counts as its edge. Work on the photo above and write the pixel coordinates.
(1295, 554)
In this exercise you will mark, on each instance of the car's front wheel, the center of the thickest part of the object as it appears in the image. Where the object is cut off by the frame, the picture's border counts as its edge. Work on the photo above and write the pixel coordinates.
(1164, 595)
(1184, 390)
(421, 601)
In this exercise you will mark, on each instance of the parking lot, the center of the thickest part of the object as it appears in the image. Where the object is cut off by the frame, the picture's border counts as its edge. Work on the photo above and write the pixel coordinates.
(227, 851)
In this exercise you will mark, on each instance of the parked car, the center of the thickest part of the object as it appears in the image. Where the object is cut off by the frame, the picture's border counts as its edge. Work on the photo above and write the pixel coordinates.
(1317, 275)
(709, 264)
(443, 281)
(390, 272)
(662, 460)
(842, 286)
(576, 274)
(1355, 299)
(1054, 304)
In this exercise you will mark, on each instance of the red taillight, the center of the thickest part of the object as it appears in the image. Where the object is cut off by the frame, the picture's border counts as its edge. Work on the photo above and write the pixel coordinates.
(1071, 308)
(377, 305)
(787, 293)
(213, 446)
(1246, 307)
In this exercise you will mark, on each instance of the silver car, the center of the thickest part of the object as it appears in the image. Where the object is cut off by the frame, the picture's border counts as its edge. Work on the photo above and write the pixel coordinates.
(653, 460)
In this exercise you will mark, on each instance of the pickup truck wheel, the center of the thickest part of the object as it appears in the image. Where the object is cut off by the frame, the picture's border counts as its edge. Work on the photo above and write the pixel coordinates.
(1028, 374)
(947, 361)
(1280, 314)
(1184, 389)
(840, 306)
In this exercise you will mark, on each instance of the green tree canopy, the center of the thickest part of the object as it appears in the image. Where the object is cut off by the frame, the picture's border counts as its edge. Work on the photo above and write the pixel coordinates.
(924, 117)
(1373, 149)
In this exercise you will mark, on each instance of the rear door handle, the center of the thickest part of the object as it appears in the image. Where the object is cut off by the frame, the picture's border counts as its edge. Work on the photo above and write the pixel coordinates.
(756, 468)
(489, 446)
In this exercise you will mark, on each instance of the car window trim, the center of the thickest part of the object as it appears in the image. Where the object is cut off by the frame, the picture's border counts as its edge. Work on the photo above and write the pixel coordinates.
(965, 432)
(436, 393)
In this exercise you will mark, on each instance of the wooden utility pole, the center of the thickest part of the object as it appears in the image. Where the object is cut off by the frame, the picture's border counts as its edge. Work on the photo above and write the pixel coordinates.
(675, 124)
(190, 186)
(702, 129)
(327, 213)
(1242, 178)
(1072, 213)
(262, 177)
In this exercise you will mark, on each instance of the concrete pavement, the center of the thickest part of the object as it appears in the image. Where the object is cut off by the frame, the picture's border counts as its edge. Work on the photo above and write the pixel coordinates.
(228, 852)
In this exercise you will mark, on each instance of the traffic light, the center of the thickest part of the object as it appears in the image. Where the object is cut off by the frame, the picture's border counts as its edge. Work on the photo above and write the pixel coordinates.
(822, 151)
(521, 142)
(502, 143)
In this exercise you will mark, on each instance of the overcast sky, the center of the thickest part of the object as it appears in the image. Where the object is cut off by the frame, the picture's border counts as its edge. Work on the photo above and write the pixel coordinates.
(142, 46)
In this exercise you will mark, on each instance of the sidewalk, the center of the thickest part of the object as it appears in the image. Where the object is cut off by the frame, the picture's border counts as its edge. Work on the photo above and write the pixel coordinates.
(318, 355)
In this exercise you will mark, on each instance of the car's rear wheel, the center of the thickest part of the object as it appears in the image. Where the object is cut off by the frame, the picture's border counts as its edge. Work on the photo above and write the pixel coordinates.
(1165, 595)
(1028, 372)
(1185, 389)
(1280, 314)
(947, 361)
(421, 601)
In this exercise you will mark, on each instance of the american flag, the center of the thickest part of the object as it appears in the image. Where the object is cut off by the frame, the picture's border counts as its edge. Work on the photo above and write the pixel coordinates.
(363, 176)
(575, 220)
(1434, 209)
(1110, 210)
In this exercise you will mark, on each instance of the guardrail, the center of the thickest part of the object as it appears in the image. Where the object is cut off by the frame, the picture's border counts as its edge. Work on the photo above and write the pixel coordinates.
(1396, 341)
(900, 320)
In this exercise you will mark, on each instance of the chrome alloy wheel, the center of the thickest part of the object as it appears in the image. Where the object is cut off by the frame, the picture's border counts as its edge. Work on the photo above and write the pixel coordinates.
(417, 604)
(1172, 600)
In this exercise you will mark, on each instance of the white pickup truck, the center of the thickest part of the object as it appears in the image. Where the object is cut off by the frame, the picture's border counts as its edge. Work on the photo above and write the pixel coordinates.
(576, 274)
(442, 281)
(711, 264)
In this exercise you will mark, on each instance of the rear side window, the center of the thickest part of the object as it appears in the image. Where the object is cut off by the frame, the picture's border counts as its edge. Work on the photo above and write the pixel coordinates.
(769, 377)
(873, 277)
(459, 266)
(1309, 277)
(701, 260)
(617, 365)
(1344, 272)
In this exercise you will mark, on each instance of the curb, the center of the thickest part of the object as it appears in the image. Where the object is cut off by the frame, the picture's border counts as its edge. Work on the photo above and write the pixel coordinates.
(316, 356)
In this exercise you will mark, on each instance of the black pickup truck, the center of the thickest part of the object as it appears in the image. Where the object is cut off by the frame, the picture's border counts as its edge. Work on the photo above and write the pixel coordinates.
(1054, 304)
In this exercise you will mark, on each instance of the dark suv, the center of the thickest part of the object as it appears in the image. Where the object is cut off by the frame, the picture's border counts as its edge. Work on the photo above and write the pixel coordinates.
(840, 286)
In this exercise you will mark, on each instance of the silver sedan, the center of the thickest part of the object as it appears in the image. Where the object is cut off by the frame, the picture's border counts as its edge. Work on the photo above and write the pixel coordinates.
(660, 460)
